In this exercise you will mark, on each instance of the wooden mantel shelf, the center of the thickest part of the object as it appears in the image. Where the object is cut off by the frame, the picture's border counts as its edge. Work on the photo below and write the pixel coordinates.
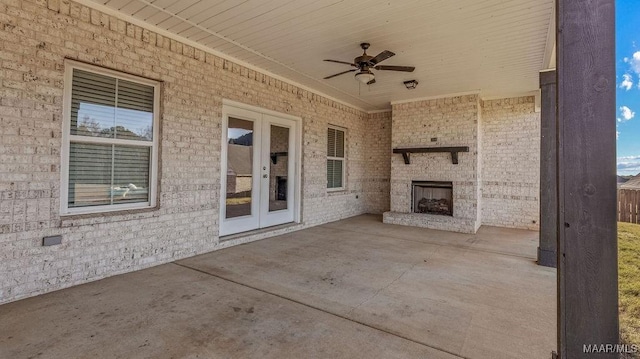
(453, 150)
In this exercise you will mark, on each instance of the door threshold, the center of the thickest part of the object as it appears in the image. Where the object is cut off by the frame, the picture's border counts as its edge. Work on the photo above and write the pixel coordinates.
(261, 233)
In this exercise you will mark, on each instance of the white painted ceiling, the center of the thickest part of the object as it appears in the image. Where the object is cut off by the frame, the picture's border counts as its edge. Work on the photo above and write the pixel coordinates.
(496, 47)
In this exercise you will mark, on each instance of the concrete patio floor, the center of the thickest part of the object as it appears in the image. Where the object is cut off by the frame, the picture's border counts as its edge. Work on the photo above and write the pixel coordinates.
(355, 288)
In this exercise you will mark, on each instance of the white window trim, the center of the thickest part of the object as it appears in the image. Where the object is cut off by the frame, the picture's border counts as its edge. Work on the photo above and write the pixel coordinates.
(343, 159)
(70, 65)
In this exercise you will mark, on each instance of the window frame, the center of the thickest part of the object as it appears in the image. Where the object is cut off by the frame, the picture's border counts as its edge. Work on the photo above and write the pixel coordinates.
(343, 159)
(67, 138)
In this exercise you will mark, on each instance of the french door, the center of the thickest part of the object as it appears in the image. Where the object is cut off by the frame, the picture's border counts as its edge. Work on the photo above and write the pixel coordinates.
(259, 170)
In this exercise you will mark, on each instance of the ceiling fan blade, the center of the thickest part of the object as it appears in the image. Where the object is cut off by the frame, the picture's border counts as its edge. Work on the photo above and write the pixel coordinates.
(339, 73)
(395, 68)
(371, 82)
(341, 62)
(381, 57)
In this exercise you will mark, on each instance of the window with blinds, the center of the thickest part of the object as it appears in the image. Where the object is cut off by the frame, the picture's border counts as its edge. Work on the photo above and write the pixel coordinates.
(335, 158)
(110, 141)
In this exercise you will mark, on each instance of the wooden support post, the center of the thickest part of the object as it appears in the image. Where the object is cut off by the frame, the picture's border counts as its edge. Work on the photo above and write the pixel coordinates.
(587, 243)
(547, 250)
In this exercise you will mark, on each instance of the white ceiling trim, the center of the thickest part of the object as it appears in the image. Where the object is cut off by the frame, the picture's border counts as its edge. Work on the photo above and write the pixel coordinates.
(549, 58)
(109, 11)
(552, 61)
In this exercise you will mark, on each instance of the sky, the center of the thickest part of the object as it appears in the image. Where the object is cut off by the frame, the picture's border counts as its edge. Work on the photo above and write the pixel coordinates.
(628, 86)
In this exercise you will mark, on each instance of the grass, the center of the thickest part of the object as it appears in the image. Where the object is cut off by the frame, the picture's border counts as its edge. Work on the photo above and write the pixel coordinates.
(629, 281)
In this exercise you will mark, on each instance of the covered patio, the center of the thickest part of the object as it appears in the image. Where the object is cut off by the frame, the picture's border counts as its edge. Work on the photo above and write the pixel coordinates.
(398, 204)
(355, 288)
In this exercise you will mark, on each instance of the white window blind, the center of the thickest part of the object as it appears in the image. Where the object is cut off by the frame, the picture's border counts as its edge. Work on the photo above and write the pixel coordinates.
(335, 158)
(111, 149)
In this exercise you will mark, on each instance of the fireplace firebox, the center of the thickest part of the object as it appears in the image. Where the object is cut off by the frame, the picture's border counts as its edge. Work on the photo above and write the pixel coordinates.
(432, 197)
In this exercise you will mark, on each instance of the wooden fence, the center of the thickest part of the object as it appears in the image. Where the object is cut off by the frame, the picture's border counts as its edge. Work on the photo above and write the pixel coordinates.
(629, 205)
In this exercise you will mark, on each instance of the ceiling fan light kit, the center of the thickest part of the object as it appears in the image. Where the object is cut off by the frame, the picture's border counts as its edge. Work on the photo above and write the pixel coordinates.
(411, 84)
(365, 77)
(364, 63)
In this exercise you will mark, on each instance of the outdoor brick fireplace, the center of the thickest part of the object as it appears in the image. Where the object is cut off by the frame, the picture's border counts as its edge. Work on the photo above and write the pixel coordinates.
(432, 197)
(430, 188)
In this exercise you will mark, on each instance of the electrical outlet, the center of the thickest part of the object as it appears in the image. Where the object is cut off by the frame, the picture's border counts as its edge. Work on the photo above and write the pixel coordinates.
(51, 240)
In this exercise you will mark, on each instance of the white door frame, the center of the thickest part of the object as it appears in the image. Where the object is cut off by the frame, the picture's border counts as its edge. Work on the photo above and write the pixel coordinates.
(252, 221)
(243, 111)
(271, 218)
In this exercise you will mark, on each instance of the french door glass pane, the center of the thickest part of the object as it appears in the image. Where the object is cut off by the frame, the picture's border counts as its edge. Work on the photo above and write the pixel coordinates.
(239, 168)
(279, 167)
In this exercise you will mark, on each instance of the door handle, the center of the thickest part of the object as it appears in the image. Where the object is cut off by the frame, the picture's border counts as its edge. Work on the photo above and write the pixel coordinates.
(265, 176)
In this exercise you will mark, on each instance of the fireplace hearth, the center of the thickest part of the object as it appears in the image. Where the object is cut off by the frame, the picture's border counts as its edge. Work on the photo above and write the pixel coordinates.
(432, 197)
